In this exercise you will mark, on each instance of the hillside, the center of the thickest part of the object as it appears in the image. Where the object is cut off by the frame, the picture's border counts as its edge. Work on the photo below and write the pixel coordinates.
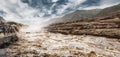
(107, 26)
(81, 14)
(109, 10)
(77, 15)
(105, 22)
(88, 14)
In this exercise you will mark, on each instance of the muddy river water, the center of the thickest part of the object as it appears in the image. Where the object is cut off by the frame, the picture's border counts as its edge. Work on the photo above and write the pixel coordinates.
(43, 43)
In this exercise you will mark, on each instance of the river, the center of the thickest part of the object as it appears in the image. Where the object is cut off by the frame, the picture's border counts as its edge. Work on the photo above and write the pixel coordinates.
(43, 43)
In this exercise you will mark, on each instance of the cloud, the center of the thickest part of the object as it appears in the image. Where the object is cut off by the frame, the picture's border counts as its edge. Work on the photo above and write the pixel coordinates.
(109, 2)
(61, 7)
(70, 5)
(54, 7)
(17, 9)
(103, 4)
(30, 11)
(54, 0)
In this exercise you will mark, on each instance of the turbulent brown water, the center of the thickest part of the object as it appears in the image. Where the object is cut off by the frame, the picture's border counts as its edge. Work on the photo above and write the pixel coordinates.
(48, 44)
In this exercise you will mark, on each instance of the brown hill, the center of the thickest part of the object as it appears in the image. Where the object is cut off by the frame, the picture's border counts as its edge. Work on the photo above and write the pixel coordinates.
(105, 26)
(109, 11)
(88, 14)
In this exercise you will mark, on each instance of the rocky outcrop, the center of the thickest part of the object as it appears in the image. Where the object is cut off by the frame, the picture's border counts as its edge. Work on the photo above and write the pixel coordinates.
(104, 26)
(8, 32)
(105, 22)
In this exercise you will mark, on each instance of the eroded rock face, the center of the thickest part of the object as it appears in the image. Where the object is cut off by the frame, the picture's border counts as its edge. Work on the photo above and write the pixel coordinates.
(105, 26)
(8, 32)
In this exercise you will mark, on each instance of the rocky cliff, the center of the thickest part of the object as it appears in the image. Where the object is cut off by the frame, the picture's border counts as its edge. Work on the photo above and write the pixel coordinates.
(102, 26)
(8, 32)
